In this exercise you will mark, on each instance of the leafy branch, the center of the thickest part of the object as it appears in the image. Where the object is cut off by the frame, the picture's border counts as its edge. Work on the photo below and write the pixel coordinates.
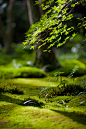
(53, 24)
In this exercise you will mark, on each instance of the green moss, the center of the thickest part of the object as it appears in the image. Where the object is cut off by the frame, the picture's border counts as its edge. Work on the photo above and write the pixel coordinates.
(5, 59)
(46, 114)
(73, 66)
(22, 72)
(61, 90)
(75, 102)
(71, 63)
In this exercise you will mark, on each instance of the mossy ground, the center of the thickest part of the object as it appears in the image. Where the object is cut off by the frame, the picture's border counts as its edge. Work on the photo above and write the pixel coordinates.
(45, 111)
(15, 115)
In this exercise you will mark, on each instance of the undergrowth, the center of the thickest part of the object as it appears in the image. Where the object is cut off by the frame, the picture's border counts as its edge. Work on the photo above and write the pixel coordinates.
(10, 88)
(41, 112)
(67, 90)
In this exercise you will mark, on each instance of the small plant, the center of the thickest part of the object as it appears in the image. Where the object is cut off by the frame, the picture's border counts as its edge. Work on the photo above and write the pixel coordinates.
(73, 71)
(61, 90)
(81, 93)
(47, 92)
(64, 106)
(82, 102)
(64, 88)
(32, 102)
(79, 100)
(58, 76)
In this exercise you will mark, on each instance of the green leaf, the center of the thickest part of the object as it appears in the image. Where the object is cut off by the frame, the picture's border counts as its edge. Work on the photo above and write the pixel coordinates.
(36, 2)
(73, 5)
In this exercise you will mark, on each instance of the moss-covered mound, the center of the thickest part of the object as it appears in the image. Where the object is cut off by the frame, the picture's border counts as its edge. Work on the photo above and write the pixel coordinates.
(10, 88)
(78, 101)
(71, 67)
(22, 72)
(62, 90)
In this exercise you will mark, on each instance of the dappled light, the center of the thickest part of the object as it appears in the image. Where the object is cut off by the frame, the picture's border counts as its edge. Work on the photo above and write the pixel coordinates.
(42, 64)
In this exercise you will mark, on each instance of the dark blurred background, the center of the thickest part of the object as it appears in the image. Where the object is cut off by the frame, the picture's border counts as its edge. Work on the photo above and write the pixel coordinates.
(14, 23)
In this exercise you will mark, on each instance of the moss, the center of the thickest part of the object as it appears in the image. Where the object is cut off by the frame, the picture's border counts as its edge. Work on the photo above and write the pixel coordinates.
(61, 90)
(6, 87)
(75, 102)
(72, 63)
(22, 72)
(73, 66)
(44, 114)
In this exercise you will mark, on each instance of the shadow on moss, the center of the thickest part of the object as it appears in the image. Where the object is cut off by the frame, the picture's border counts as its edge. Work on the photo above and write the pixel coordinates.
(12, 90)
(76, 116)
(26, 102)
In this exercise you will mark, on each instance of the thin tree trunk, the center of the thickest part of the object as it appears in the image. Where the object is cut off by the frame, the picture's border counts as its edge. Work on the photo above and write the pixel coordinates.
(7, 34)
(33, 12)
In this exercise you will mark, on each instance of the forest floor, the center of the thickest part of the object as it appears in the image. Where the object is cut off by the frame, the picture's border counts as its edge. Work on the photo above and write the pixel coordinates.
(56, 112)
(31, 100)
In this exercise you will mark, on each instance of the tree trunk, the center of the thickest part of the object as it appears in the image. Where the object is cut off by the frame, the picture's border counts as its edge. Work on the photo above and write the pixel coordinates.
(46, 59)
(33, 12)
(7, 34)
(8, 44)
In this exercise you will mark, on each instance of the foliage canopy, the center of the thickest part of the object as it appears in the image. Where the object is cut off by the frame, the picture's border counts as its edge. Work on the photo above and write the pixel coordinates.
(53, 24)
